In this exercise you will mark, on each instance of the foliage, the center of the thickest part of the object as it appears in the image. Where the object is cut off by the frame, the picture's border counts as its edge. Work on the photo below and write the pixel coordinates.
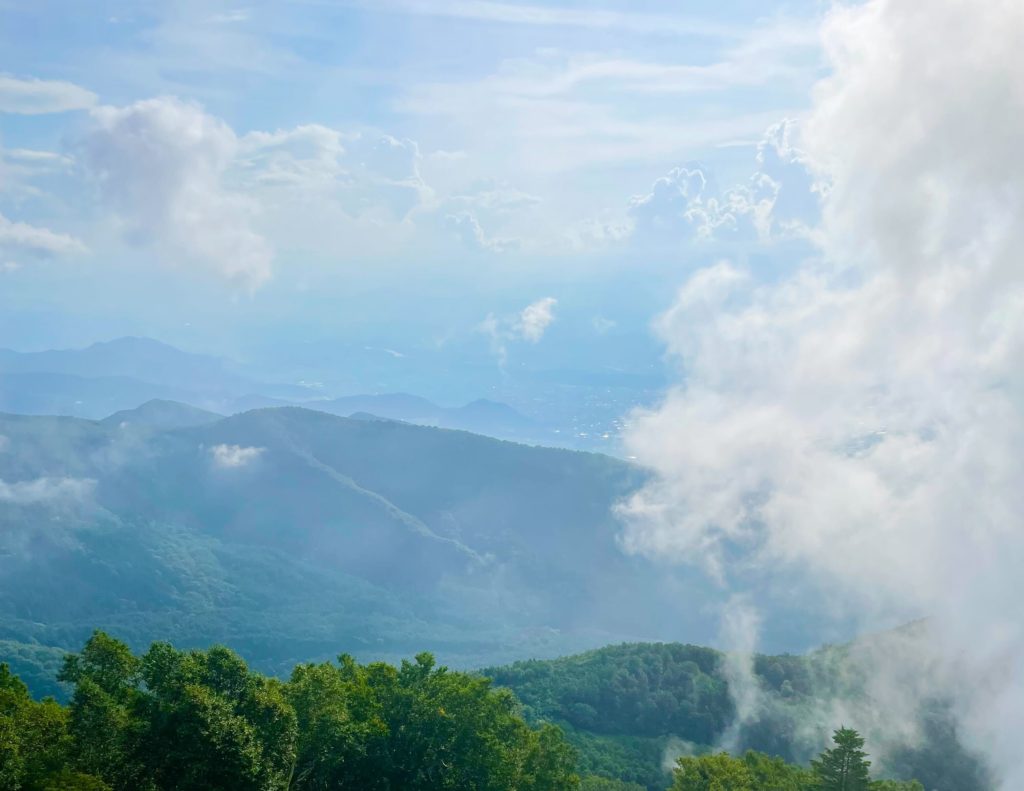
(637, 689)
(624, 708)
(844, 767)
(752, 772)
(181, 720)
(598, 783)
(368, 537)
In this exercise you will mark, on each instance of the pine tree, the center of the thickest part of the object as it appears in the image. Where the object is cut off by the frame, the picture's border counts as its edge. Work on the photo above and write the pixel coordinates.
(845, 766)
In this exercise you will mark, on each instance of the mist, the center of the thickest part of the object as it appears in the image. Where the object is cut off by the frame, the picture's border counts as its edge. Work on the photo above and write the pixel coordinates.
(860, 422)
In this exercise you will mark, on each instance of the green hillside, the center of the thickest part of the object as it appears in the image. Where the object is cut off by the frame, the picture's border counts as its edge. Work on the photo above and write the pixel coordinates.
(292, 534)
(631, 709)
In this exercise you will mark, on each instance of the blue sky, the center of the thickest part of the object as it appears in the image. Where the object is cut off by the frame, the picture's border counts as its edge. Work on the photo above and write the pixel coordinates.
(214, 173)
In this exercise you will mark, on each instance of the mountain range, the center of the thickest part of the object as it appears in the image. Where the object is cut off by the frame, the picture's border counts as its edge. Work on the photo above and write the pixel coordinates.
(125, 373)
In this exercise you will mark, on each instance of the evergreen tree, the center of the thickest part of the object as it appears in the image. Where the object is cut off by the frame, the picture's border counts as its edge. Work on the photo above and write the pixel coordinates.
(845, 766)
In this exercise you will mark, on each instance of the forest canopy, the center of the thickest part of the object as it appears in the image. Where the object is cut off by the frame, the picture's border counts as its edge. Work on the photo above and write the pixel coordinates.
(171, 719)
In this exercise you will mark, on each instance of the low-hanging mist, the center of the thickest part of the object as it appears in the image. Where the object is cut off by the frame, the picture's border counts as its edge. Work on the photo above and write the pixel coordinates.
(862, 418)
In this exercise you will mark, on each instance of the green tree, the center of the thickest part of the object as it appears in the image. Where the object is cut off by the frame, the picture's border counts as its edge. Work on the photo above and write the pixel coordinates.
(33, 735)
(418, 727)
(719, 772)
(774, 774)
(597, 783)
(68, 780)
(845, 766)
(896, 785)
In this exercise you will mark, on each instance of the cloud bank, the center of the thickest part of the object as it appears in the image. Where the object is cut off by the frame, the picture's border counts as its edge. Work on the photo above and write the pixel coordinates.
(863, 419)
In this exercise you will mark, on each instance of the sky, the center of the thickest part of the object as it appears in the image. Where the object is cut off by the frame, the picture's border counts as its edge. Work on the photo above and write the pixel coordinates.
(238, 177)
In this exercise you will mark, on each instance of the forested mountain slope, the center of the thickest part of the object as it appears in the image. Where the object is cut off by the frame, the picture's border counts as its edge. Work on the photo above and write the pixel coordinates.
(630, 709)
(291, 534)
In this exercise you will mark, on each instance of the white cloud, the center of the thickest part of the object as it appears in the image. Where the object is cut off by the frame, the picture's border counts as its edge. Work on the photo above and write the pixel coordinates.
(536, 318)
(232, 456)
(468, 230)
(555, 110)
(862, 419)
(19, 239)
(36, 97)
(307, 156)
(161, 164)
(497, 198)
(46, 490)
(528, 325)
(779, 201)
(326, 189)
(35, 158)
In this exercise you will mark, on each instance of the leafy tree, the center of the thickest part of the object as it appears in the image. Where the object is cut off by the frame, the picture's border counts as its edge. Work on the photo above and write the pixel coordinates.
(774, 774)
(209, 723)
(102, 725)
(68, 780)
(719, 772)
(33, 735)
(598, 783)
(418, 727)
(845, 766)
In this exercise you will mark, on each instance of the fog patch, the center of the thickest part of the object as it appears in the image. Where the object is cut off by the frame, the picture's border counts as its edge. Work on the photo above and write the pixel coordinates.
(47, 490)
(234, 456)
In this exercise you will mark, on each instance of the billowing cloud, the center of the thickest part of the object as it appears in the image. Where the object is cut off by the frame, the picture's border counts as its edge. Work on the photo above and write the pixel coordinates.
(46, 490)
(231, 456)
(37, 97)
(862, 419)
(779, 200)
(161, 165)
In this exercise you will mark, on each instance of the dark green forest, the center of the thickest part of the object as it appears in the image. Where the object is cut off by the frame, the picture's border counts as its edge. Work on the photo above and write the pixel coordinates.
(628, 708)
(202, 719)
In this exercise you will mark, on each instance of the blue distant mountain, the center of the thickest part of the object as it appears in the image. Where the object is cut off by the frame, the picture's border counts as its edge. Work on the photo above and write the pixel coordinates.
(124, 374)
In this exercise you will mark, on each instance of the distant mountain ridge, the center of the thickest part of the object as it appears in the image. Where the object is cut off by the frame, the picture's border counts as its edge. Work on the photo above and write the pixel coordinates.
(162, 414)
(124, 374)
(143, 359)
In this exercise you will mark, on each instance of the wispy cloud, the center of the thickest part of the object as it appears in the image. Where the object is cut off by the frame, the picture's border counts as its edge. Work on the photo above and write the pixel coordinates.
(20, 239)
(546, 16)
(37, 97)
(528, 325)
(46, 490)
